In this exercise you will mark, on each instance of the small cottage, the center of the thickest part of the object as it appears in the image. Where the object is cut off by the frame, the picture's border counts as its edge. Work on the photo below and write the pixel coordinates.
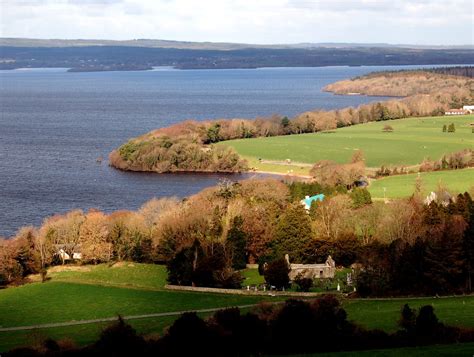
(312, 271)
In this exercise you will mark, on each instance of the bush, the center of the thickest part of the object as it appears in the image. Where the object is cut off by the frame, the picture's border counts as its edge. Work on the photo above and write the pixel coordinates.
(360, 197)
(120, 339)
(303, 284)
(276, 273)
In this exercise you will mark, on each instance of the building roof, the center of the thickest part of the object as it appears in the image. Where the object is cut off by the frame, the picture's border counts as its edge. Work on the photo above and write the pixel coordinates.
(456, 111)
(307, 201)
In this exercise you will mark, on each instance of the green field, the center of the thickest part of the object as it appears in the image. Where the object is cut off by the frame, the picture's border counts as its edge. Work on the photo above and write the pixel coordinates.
(134, 289)
(411, 141)
(455, 181)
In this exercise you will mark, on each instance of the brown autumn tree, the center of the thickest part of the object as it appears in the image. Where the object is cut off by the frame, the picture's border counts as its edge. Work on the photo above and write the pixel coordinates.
(94, 238)
(61, 232)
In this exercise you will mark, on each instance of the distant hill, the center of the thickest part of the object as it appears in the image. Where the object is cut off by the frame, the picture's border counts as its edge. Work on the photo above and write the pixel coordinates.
(221, 46)
(107, 55)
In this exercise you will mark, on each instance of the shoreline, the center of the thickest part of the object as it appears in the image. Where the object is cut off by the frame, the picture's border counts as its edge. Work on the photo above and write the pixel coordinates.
(280, 174)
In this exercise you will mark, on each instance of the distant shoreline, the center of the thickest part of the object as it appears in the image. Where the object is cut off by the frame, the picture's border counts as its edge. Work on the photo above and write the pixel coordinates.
(174, 68)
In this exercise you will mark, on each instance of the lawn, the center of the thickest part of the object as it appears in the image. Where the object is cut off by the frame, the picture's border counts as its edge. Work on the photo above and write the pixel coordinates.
(411, 141)
(102, 291)
(131, 275)
(455, 181)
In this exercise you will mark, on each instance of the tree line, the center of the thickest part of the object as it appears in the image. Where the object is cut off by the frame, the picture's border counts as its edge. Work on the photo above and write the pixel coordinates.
(207, 238)
(296, 326)
(463, 71)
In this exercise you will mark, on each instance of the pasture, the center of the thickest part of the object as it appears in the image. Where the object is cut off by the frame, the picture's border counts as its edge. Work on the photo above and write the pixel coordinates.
(455, 181)
(92, 292)
(411, 141)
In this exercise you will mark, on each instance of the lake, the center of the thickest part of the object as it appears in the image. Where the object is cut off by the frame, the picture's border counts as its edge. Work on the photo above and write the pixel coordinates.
(54, 125)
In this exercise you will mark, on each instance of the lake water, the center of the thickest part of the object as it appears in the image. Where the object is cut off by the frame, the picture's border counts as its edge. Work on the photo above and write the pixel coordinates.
(54, 125)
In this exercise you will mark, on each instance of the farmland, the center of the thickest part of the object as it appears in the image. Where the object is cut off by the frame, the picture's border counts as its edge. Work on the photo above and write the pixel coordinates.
(411, 141)
(101, 291)
(455, 181)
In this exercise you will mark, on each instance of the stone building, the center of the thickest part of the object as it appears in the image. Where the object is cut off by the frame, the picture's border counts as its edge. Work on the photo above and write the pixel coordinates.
(312, 271)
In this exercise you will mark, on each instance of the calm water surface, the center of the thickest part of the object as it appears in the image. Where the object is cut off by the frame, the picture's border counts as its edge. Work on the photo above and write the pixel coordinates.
(54, 125)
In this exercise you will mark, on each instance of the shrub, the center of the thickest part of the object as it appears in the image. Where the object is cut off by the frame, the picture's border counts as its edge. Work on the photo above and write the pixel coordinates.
(276, 273)
(303, 284)
(360, 197)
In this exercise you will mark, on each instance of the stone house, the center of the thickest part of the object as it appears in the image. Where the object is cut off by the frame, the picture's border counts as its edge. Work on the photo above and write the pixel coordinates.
(326, 270)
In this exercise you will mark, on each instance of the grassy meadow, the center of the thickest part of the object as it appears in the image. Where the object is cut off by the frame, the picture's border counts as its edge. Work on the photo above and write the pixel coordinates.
(412, 140)
(93, 292)
(404, 185)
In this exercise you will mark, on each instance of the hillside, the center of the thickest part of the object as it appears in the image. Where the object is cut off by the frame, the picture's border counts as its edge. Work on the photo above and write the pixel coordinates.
(144, 54)
(412, 140)
(404, 185)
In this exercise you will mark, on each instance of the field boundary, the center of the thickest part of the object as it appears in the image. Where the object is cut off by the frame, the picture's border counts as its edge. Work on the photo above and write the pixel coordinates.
(242, 291)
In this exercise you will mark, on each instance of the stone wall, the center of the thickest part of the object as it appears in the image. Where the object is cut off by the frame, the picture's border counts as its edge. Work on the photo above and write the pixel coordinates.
(240, 292)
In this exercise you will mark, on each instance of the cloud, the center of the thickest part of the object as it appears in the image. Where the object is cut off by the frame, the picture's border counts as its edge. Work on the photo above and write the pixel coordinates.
(250, 21)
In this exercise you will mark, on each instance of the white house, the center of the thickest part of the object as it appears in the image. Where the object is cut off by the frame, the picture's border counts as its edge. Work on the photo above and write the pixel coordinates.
(469, 108)
(456, 112)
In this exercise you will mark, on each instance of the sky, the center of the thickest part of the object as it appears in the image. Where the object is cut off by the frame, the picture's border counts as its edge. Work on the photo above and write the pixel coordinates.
(422, 22)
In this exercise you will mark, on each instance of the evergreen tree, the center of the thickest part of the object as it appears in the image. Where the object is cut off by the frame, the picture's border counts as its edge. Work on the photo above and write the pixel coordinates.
(183, 265)
(468, 239)
(444, 261)
(236, 241)
(293, 233)
(360, 197)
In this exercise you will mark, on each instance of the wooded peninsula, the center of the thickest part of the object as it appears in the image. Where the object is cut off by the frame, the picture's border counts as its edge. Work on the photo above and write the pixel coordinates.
(189, 145)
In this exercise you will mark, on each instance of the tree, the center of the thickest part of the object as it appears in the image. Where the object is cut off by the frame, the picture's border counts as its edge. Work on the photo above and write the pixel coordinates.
(182, 266)
(387, 128)
(10, 269)
(213, 133)
(292, 234)
(94, 233)
(444, 128)
(236, 241)
(327, 172)
(62, 232)
(358, 156)
(332, 217)
(276, 273)
(451, 128)
(408, 318)
(26, 254)
(360, 197)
